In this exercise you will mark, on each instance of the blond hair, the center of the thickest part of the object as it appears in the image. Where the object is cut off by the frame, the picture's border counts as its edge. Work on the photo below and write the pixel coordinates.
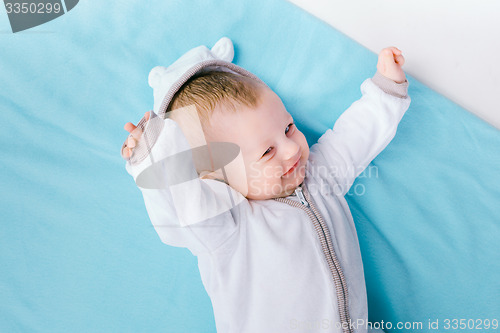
(210, 89)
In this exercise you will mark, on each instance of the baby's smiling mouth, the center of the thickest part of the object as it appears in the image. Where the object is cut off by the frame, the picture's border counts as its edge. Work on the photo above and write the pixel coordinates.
(292, 168)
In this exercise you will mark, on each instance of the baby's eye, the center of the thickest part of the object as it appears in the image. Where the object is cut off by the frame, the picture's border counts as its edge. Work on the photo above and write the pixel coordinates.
(289, 127)
(267, 151)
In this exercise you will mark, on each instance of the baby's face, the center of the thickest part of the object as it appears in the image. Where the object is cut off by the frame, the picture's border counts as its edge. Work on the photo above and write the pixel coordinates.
(274, 151)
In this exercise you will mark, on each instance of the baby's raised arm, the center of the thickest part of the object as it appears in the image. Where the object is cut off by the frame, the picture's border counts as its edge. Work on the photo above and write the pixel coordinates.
(367, 126)
(185, 211)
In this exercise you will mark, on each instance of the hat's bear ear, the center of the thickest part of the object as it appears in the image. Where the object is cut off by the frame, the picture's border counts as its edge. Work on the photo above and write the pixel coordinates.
(224, 49)
(156, 75)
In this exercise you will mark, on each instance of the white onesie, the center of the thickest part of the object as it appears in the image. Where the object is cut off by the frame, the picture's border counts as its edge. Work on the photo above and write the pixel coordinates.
(284, 265)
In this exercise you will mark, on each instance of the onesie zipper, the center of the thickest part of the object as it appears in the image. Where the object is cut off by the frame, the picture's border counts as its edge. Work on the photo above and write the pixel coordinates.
(300, 195)
(307, 205)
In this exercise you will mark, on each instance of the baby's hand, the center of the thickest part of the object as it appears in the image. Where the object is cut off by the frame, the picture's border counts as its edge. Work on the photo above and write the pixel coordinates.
(390, 61)
(131, 141)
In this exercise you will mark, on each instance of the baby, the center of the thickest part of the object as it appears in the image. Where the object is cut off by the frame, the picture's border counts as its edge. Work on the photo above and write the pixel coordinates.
(226, 172)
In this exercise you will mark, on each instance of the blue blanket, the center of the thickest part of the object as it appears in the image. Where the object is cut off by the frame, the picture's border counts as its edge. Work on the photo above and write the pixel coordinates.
(77, 250)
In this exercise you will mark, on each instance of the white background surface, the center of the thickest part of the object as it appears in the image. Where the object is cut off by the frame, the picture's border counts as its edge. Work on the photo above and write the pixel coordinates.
(452, 46)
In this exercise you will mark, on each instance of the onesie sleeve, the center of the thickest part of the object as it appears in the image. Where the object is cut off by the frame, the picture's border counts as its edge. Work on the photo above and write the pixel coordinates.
(361, 132)
(186, 211)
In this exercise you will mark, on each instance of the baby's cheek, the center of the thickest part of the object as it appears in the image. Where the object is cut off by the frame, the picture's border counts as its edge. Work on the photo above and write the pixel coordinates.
(258, 180)
(251, 177)
(304, 146)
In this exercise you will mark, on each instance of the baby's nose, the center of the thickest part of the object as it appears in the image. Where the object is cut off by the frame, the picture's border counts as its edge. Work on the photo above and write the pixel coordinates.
(290, 150)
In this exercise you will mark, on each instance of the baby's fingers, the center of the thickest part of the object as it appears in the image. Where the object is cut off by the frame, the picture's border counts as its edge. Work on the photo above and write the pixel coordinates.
(131, 141)
(129, 127)
(400, 60)
(133, 137)
(396, 51)
(392, 53)
(126, 153)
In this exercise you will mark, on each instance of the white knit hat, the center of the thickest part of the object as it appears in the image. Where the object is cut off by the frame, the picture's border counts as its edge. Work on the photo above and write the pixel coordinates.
(166, 81)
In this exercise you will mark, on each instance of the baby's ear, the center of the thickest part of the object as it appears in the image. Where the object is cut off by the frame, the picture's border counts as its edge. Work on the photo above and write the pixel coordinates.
(215, 175)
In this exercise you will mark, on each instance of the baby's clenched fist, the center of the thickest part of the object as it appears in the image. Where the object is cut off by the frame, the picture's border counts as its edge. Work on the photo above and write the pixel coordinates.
(390, 61)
